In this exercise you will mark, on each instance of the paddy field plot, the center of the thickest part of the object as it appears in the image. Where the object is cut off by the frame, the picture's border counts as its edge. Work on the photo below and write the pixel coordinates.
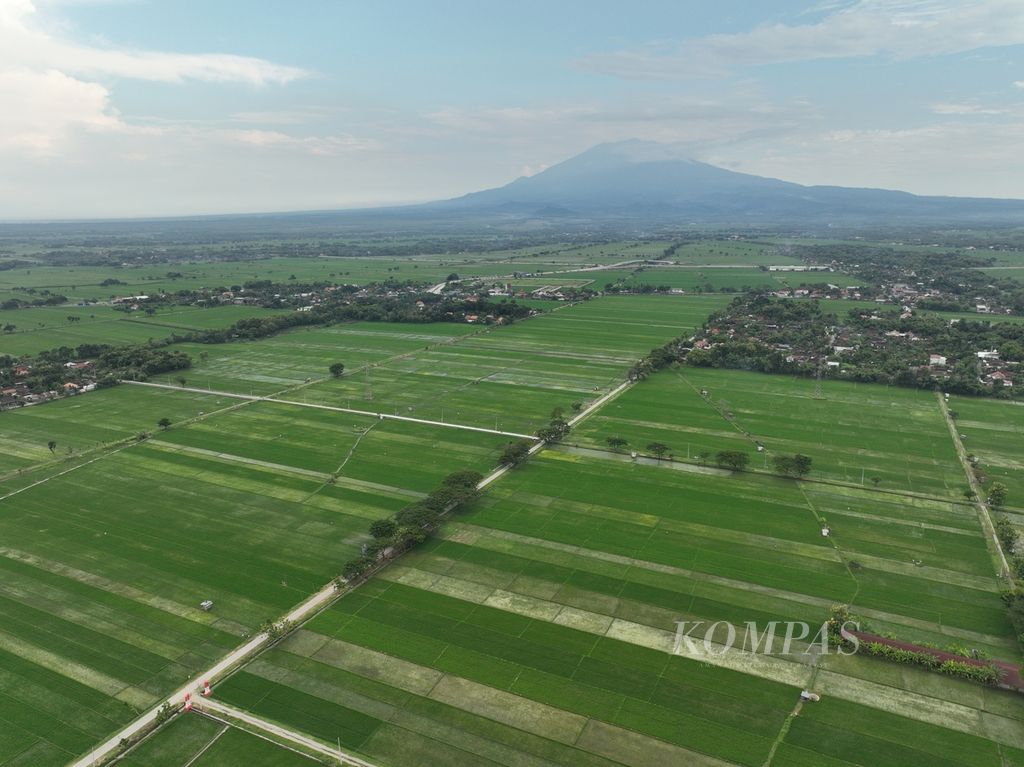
(854, 433)
(91, 420)
(706, 279)
(102, 569)
(43, 317)
(411, 677)
(113, 332)
(722, 278)
(103, 325)
(511, 378)
(271, 364)
(193, 740)
(81, 283)
(719, 252)
(84, 282)
(359, 448)
(759, 531)
(993, 430)
(837, 732)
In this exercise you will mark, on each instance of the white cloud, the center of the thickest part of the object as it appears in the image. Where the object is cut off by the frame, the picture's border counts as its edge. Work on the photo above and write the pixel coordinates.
(955, 158)
(900, 29)
(967, 109)
(50, 96)
(24, 43)
(317, 145)
(41, 109)
(1019, 84)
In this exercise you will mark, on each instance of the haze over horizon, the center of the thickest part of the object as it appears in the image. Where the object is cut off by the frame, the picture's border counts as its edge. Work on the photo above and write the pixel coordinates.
(115, 108)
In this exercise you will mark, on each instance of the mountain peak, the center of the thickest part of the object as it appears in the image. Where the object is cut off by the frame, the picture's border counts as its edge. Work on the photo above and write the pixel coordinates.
(645, 180)
(636, 150)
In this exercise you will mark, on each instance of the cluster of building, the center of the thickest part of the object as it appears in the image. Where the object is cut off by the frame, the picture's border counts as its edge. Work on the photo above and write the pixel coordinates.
(19, 394)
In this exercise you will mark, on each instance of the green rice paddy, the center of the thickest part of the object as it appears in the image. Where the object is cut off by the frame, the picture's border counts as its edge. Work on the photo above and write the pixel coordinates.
(537, 627)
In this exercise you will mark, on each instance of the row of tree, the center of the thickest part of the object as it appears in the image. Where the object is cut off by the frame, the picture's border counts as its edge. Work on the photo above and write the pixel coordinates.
(413, 524)
(797, 465)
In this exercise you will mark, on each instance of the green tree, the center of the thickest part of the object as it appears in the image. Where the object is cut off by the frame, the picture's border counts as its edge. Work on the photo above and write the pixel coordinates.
(1011, 351)
(52, 444)
(997, 494)
(658, 449)
(337, 369)
(383, 528)
(703, 457)
(463, 479)
(352, 569)
(802, 464)
(164, 423)
(616, 443)
(736, 460)
(784, 465)
(514, 453)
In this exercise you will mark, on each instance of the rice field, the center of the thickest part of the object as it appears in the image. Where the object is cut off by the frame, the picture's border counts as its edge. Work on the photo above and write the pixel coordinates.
(195, 741)
(875, 436)
(90, 421)
(48, 328)
(272, 364)
(539, 628)
(104, 566)
(536, 628)
(993, 430)
(512, 378)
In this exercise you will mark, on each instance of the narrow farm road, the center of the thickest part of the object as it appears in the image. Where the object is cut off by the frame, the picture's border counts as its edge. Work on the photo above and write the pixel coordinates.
(235, 658)
(984, 515)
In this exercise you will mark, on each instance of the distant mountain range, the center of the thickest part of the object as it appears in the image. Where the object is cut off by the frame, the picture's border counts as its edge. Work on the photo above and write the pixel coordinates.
(624, 186)
(642, 180)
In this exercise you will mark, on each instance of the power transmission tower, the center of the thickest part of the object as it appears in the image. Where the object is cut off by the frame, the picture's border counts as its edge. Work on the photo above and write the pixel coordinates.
(369, 382)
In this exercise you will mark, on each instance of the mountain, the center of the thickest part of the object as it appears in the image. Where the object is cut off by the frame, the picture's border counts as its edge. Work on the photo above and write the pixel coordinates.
(644, 180)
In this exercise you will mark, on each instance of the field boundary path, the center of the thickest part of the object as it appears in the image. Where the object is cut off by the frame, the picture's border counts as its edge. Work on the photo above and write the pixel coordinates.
(351, 411)
(984, 515)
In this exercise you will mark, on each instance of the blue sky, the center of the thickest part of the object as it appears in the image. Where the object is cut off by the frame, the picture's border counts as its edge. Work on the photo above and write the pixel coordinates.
(127, 108)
